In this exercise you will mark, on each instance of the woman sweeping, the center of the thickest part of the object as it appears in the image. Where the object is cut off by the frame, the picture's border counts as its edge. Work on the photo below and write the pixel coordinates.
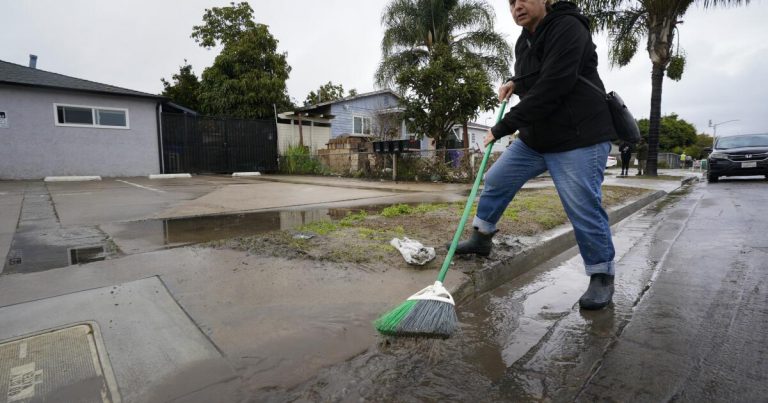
(565, 128)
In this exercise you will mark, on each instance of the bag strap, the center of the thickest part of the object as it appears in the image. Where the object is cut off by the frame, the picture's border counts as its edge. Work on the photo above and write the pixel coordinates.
(517, 78)
(589, 83)
(582, 78)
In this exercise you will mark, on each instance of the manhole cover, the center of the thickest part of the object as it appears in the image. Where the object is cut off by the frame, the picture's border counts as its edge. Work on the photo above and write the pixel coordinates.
(61, 365)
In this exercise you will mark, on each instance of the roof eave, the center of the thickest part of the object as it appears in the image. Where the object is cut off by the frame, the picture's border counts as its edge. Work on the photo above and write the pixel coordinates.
(139, 95)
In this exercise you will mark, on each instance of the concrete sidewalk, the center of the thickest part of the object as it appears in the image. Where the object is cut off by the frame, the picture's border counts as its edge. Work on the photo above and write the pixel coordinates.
(317, 313)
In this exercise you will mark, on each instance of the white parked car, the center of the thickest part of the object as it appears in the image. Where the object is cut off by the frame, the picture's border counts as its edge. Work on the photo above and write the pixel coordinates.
(611, 162)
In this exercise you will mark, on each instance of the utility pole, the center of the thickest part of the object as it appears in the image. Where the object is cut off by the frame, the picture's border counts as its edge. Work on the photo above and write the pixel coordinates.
(714, 125)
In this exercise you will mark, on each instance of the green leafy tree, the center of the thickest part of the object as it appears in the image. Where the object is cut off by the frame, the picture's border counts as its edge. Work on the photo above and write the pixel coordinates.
(675, 134)
(627, 23)
(697, 148)
(224, 25)
(327, 92)
(443, 92)
(184, 88)
(247, 79)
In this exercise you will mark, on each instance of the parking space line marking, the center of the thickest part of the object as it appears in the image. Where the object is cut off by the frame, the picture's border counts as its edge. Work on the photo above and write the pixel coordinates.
(142, 187)
(74, 194)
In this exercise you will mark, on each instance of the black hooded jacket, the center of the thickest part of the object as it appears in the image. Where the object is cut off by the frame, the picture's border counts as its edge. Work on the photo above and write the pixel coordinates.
(557, 111)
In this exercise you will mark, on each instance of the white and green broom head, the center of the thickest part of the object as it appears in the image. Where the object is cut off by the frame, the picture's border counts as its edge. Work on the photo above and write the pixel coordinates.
(429, 313)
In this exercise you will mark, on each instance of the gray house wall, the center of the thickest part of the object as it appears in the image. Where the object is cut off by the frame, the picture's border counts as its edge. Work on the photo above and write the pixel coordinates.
(33, 147)
(345, 112)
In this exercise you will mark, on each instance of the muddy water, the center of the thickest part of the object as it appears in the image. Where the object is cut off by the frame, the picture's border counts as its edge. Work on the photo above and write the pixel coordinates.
(525, 341)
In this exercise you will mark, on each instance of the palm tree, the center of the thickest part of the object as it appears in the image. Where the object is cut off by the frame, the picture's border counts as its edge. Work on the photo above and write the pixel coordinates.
(413, 28)
(629, 21)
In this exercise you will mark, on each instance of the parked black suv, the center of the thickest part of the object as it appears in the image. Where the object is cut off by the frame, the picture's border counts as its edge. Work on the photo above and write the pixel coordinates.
(741, 155)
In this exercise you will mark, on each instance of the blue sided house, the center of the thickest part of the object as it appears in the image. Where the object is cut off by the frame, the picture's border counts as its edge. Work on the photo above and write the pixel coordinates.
(373, 114)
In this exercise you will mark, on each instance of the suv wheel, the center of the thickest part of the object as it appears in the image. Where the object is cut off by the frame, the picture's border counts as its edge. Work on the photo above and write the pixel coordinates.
(712, 178)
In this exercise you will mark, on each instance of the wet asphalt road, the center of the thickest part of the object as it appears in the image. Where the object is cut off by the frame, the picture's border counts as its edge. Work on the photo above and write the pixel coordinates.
(701, 331)
(689, 321)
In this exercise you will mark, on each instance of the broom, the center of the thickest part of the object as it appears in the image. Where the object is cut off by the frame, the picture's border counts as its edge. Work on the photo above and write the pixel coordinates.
(431, 312)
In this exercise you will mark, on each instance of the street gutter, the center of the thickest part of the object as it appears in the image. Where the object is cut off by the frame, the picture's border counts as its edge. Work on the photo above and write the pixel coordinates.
(509, 263)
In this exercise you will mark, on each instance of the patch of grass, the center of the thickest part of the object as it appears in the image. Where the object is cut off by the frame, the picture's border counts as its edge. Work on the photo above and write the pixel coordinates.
(374, 234)
(543, 207)
(363, 237)
(351, 253)
(396, 210)
(353, 218)
(406, 209)
(320, 227)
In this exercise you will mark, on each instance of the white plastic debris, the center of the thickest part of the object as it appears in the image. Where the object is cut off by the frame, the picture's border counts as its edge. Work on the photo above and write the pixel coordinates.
(413, 251)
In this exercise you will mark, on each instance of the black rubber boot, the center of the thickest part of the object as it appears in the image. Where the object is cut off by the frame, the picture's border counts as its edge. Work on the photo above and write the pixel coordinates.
(478, 243)
(599, 293)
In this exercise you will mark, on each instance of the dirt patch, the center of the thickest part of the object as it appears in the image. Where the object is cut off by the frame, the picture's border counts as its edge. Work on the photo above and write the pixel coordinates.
(362, 237)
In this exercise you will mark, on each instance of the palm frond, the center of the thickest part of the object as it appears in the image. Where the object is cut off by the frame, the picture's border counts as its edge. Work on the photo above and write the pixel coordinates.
(721, 3)
(472, 14)
(412, 28)
(604, 13)
(396, 62)
(488, 47)
(625, 32)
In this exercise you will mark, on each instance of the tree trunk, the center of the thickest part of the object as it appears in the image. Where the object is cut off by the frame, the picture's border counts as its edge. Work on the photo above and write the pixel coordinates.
(301, 133)
(654, 122)
(465, 136)
(661, 30)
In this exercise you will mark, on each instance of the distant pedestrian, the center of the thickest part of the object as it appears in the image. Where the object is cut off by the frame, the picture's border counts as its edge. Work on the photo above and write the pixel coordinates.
(642, 156)
(682, 160)
(626, 156)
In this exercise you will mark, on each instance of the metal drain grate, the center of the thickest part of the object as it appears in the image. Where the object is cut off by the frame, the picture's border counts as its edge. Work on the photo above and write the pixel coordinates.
(60, 365)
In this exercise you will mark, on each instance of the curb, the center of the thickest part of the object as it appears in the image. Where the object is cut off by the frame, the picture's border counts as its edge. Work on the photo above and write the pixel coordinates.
(513, 263)
(245, 174)
(169, 176)
(71, 178)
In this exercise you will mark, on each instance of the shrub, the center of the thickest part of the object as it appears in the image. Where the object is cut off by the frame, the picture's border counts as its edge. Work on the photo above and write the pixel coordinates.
(298, 160)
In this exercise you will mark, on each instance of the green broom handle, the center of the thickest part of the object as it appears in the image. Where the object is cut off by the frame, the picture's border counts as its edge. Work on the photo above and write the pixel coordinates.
(468, 206)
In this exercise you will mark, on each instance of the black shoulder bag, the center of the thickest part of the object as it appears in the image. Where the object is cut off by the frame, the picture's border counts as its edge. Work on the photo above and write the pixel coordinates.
(623, 121)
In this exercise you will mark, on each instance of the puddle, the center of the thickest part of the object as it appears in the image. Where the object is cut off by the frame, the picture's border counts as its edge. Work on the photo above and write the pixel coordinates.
(149, 235)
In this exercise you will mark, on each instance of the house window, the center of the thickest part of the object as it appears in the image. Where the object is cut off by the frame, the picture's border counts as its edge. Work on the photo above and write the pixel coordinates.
(361, 125)
(91, 116)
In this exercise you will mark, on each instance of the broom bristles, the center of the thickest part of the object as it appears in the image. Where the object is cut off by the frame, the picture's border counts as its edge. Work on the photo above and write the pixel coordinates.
(420, 318)
(387, 323)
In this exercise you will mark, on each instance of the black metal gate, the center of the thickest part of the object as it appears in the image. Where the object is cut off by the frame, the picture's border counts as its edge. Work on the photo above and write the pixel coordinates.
(203, 144)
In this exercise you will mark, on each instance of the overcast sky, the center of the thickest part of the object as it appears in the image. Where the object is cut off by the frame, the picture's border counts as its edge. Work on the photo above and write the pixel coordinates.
(133, 44)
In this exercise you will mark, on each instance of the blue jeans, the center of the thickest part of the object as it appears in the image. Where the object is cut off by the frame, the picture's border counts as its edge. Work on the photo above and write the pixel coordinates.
(577, 174)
